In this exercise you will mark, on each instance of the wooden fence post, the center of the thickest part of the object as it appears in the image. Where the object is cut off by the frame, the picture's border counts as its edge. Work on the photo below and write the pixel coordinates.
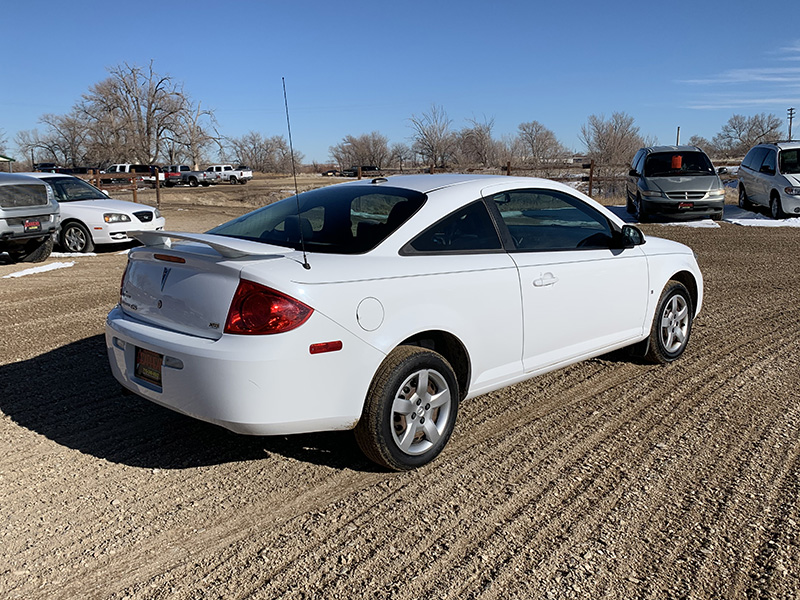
(591, 176)
(508, 168)
(133, 186)
(158, 189)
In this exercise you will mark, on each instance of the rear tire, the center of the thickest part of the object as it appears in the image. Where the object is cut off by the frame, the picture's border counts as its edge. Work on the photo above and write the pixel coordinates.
(34, 251)
(744, 201)
(410, 409)
(233, 181)
(193, 182)
(672, 324)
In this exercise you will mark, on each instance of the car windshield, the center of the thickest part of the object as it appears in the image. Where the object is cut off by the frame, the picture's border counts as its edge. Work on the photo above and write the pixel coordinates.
(72, 189)
(348, 219)
(790, 161)
(677, 164)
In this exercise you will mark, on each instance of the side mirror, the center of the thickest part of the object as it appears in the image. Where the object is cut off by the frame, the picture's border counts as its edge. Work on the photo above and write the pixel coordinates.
(631, 236)
(633, 173)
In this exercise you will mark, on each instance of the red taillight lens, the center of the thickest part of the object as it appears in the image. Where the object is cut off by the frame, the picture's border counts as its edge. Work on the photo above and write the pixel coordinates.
(259, 310)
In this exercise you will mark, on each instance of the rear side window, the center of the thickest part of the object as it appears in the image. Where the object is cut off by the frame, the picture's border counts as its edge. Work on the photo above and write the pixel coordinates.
(467, 230)
(348, 219)
(547, 220)
(790, 161)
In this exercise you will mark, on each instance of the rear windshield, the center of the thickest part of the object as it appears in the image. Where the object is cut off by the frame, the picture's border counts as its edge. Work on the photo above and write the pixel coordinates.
(346, 219)
(676, 164)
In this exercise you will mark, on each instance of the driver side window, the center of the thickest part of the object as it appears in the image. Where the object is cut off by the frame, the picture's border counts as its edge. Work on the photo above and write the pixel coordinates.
(548, 220)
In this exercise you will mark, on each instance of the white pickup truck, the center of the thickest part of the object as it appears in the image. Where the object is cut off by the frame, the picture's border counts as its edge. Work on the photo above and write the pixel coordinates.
(227, 173)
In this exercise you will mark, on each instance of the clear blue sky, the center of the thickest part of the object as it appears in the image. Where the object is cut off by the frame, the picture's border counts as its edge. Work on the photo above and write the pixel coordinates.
(356, 67)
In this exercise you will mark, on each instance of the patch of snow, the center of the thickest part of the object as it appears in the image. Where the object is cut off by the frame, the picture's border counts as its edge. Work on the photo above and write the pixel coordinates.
(746, 218)
(44, 269)
(71, 254)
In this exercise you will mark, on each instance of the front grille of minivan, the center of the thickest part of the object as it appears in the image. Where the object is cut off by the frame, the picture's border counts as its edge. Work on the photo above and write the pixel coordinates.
(16, 196)
(686, 195)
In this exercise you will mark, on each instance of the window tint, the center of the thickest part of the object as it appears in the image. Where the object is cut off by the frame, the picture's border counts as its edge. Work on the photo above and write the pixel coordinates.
(790, 161)
(70, 189)
(670, 164)
(754, 158)
(770, 160)
(338, 220)
(466, 230)
(547, 220)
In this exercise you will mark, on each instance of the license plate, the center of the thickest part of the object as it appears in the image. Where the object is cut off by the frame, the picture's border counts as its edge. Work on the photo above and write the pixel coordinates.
(32, 225)
(684, 205)
(148, 366)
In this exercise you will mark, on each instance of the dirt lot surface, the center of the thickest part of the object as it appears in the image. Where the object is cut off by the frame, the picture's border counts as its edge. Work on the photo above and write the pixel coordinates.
(606, 479)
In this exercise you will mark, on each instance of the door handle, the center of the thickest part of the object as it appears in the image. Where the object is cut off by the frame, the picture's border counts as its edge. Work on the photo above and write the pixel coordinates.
(545, 280)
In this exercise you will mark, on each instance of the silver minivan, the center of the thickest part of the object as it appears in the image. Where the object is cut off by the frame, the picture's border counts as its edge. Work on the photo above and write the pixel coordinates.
(29, 218)
(677, 182)
(770, 176)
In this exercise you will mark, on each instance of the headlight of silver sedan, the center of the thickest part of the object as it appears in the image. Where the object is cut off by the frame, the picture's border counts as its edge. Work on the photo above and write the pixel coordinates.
(792, 191)
(116, 218)
(157, 213)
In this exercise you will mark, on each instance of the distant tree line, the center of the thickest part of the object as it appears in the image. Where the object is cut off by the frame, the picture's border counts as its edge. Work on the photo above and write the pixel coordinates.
(141, 116)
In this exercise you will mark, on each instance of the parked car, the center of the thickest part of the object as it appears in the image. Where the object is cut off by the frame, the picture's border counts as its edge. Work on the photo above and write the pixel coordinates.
(173, 173)
(379, 306)
(89, 217)
(227, 173)
(770, 176)
(142, 173)
(677, 182)
(29, 218)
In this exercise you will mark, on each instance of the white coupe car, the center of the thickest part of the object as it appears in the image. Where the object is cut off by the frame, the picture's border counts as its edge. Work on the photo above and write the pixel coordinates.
(380, 305)
(89, 217)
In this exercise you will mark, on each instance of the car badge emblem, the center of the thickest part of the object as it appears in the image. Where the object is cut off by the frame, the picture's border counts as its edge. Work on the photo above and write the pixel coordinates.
(164, 276)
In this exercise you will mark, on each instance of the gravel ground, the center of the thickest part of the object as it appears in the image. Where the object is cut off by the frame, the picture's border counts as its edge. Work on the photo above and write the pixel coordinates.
(605, 479)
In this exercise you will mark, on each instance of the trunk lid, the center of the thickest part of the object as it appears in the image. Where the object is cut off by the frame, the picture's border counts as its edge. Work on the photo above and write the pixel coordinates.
(187, 287)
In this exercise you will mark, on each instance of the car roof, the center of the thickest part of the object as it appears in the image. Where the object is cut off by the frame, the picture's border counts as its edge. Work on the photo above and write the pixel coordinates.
(684, 148)
(39, 175)
(427, 183)
(12, 178)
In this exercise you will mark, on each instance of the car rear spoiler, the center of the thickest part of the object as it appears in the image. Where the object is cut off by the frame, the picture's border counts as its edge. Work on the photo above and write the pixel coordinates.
(227, 247)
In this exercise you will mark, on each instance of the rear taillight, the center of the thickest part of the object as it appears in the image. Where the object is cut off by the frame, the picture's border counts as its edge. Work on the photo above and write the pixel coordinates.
(259, 310)
(122, 281)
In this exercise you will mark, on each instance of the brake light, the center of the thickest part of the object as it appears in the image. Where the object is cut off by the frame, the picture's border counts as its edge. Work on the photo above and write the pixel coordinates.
(259, 310)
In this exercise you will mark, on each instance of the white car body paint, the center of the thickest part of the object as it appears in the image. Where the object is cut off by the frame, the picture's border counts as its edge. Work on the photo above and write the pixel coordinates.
(516, 314)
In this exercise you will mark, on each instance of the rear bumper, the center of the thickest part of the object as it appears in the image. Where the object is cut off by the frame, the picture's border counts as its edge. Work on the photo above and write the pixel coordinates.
(257, 385)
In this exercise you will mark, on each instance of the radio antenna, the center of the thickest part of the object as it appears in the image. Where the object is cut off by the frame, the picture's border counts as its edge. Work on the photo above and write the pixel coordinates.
(294, 174)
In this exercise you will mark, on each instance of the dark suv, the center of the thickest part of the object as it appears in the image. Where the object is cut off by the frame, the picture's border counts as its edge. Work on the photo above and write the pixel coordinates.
(673, 181)
(29, 216)
(770, 176)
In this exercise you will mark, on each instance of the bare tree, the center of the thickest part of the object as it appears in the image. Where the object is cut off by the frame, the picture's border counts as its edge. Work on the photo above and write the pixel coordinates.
(367, 149)
(399, 155)
(268, 155)
(612, 144)
(432, 138)
(541, 147)
(474, 144)
(136, 108)
(741, 133)
(2, 141)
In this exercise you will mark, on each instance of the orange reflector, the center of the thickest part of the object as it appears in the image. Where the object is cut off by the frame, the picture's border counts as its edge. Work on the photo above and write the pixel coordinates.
(325, 347)
(168, 258)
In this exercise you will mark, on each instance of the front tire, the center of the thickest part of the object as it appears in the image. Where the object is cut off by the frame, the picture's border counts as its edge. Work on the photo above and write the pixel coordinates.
(638, 210)
(775, 208)
(410, 410)
(76, 238)
(672, 324)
